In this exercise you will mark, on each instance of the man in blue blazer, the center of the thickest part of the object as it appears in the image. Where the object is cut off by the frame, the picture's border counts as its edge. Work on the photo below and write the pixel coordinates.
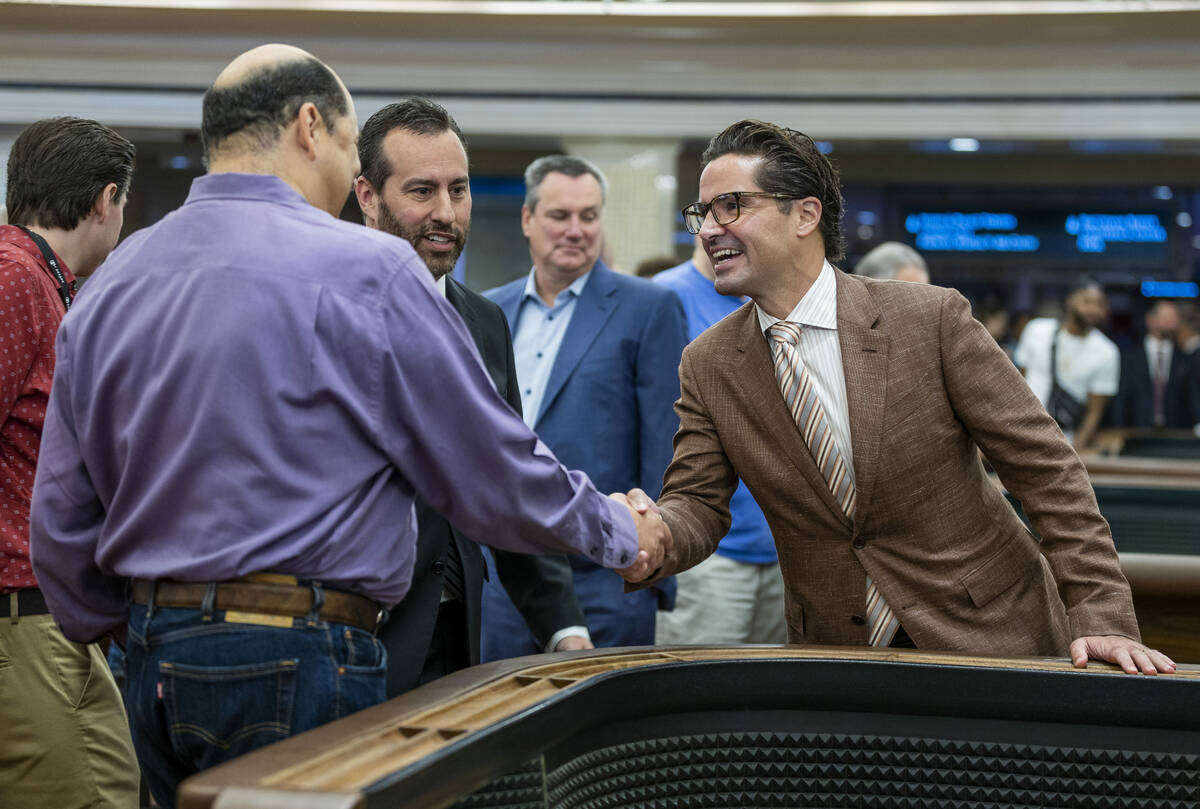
(597, 356)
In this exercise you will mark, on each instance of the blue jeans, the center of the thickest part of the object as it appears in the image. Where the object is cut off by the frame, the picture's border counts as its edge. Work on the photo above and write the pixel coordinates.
(201, 692)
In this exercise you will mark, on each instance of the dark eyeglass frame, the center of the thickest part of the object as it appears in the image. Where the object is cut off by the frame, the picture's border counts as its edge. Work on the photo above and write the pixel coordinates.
(694, 214)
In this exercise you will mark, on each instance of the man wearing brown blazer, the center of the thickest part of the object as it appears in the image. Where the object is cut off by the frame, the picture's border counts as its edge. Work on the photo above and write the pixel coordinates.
(911, 389)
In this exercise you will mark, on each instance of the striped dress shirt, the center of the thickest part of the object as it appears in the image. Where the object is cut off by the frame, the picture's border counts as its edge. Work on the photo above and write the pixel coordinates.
(822, 354)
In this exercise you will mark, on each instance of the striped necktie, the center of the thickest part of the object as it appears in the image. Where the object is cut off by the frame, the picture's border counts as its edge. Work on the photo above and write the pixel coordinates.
(800, 394)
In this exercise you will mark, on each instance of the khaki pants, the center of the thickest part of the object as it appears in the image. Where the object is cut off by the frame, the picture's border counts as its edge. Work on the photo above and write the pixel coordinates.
(722, 600)
(64, 737)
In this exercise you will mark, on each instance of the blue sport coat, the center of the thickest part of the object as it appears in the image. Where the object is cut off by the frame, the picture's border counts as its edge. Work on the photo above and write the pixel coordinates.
(609, 402)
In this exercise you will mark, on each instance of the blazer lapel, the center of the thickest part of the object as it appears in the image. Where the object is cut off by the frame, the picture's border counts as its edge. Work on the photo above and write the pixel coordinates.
(592, 310)
(864, 362)
(509, 301)
(755, 367)
(456, 299)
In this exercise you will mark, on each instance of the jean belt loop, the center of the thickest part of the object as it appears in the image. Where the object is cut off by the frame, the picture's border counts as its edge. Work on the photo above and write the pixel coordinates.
(14, 608)
(318, 603)
(210, 598)
(149, 613)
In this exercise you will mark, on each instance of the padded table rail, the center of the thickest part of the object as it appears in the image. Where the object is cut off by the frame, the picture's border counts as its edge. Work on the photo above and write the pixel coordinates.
(743, 726)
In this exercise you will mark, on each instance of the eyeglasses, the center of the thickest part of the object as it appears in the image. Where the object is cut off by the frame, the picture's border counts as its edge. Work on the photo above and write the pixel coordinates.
(725, 208)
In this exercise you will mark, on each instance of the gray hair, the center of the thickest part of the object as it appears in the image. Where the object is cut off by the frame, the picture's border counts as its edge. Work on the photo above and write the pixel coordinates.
(887, 259)
(570, 165)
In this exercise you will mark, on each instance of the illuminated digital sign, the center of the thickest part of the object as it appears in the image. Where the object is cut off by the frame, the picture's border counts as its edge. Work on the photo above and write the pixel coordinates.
(1054, 232)
(969, 232)
(1094, 231)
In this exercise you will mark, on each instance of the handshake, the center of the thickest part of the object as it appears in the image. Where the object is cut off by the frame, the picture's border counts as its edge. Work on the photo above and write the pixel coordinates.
(654, 537)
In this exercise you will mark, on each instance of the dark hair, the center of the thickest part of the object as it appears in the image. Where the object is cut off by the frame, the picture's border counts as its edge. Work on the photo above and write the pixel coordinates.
(792, 164)
(1082, 282)
(570, 165)
(58, 167)
(415, 114)
(652, 266)
(262, 105)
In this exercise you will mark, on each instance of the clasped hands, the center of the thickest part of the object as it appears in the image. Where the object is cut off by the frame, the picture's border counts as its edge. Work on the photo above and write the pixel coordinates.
(654, 537)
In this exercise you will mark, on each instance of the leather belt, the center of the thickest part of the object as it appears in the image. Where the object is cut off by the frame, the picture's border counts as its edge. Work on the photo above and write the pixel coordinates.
(267, 597)
(29, 602)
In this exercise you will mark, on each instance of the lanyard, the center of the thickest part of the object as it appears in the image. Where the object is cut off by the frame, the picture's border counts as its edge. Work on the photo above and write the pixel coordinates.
(64, 288)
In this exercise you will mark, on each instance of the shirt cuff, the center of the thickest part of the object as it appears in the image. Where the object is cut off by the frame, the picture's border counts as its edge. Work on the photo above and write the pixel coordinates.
(618, 546)
(568, 632)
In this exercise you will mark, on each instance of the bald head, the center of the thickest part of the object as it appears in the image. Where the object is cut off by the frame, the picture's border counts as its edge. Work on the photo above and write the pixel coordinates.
(258, 95)
(256, 59)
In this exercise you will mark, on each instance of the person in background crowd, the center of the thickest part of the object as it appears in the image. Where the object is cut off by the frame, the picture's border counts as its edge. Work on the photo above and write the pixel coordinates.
(1189, 343)
(415, 184)
(64, 736)
(650, 267)
(894, 261)
(1086, 367)
(1153, 389)
(249, 396)
(735, 595)
(1189, 327)
(597, 355)
(996, 319)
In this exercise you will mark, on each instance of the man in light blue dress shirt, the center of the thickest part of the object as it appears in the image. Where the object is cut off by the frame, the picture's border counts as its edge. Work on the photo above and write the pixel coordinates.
(597, 356)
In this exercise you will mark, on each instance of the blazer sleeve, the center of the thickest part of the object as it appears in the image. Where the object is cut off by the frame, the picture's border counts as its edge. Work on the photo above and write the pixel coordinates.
(541, 587)
(699, 482)
(657, 385)
(1040, 469)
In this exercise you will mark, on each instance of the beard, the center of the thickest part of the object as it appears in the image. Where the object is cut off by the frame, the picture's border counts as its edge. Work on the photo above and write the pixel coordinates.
(438, 263)
(1085, 318)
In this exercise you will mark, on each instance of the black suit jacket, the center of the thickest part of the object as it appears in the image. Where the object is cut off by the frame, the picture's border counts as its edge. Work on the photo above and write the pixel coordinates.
(540, 586)
(1133, 405)
(1193, 386)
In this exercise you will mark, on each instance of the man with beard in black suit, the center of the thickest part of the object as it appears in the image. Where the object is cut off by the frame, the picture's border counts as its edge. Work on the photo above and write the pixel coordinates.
(415, 185)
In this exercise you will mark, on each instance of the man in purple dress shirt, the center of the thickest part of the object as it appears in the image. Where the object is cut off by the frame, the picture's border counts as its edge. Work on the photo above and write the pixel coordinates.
(249, 395)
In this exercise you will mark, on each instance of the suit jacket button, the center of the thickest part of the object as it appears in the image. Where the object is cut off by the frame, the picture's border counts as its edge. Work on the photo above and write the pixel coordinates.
(857, 620)
(860, 543)
(438, 567)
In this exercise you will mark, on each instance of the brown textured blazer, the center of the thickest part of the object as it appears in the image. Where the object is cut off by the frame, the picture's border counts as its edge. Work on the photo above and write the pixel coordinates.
(927, 388)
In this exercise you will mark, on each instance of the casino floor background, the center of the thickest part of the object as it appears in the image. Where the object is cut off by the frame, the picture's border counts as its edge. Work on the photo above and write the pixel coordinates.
(1065, 136)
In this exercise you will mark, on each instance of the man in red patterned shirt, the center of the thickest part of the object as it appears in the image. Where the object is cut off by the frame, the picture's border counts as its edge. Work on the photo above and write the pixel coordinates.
(64, 738)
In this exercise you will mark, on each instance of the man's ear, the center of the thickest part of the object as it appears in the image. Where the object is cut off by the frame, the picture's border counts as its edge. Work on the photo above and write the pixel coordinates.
(368, 199)
(106, 202)
(309, 125)
(526, 216)
(809, 219)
